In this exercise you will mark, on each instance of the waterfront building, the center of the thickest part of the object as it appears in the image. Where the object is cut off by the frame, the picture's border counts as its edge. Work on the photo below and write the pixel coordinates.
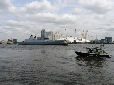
(108, 39)
(10, 41)
(75, 39)
(43, 33)
(57, 35)
(3, 42)
(50, 35)
(102, 40)
(14, 40)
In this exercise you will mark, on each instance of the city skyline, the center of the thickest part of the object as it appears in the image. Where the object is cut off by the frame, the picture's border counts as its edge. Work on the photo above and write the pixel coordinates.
(19, 19)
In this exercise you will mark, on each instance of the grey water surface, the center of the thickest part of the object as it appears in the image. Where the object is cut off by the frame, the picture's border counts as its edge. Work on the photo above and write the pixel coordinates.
(54, 65)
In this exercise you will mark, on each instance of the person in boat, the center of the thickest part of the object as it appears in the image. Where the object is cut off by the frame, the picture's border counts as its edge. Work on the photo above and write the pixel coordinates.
(89, 50)
(103, 51)
(95, 50)
(99, 51)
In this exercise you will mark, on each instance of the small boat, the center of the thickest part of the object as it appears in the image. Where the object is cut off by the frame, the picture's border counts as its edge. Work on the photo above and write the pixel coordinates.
(93, 52)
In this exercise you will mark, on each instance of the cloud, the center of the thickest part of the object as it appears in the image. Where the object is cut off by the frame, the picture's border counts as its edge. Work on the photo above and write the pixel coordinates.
(56, 15)
(20, 29)
(80, 11)
(37, 22)
(97, 6)
(6, 6)
(52, 18)
(37, 7)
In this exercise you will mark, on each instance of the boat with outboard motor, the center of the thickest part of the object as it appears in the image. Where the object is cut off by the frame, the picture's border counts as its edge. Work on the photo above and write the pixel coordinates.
(93, 52)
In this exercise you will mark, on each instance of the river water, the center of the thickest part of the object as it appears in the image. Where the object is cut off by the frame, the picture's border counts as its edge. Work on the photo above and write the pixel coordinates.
(54, 65)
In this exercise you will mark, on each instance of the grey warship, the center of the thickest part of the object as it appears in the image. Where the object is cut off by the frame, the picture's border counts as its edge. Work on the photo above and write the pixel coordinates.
(43, 40)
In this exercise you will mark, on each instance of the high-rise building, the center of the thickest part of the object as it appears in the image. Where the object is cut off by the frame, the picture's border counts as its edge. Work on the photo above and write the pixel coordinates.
(50, 35)
(43, 33)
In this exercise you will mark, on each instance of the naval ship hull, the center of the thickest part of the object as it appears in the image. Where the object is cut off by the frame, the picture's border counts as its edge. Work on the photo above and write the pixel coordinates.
(58, 42)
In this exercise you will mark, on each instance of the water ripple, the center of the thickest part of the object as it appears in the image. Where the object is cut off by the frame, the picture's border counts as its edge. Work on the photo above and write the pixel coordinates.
(53, 65)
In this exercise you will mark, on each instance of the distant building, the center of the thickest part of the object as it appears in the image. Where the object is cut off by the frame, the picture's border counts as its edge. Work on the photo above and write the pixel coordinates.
(3, 42)
(43, 33)
(102, 40)
(108, 39)
(96, 40)
(75, 39)
(50, 35)
(57, 35)
(14, 40)
(10, 41)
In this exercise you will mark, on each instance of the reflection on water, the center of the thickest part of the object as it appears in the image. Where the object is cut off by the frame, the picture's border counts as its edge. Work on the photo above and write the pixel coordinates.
(95, 70)
(53, 65)
(91, 61)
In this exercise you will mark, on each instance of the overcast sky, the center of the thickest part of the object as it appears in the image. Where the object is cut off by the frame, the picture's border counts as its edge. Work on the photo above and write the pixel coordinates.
(21, 18)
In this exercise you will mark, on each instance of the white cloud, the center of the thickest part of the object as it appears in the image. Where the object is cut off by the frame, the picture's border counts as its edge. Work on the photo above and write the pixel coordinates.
(92, 15)
(98, 6)
(36, 7)
(6, 6)
(52, 18)
(20, 29)
(81, 11)
(40, 5)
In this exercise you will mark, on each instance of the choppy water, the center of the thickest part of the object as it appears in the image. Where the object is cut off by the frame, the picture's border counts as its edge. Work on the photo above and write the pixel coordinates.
(54, 65)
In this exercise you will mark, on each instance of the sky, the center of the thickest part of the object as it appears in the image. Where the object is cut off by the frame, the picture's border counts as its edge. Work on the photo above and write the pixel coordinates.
(21, 18)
